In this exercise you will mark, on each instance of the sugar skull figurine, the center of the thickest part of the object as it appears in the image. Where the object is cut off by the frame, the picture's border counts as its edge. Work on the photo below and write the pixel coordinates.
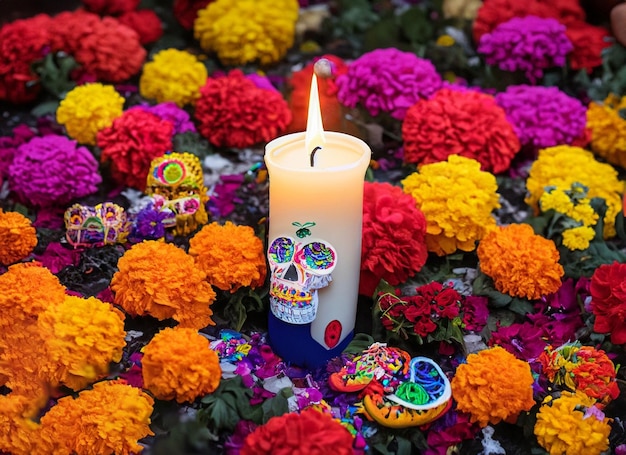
(104, 224)
(176, 183)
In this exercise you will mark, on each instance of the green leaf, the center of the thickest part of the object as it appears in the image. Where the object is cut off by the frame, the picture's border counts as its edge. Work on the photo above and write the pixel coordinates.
(45, 108)
(415, 26)
(193, 143)
(277, 405)
(520, 306)
(359, 343)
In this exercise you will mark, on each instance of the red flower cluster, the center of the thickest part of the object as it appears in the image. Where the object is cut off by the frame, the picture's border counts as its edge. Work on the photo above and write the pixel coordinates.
(145, 22)
(394, 230)
(186, 11)
(431, 303)
(111, 7)
(21, 43)
(465, 123)
(608, 301)
(588, 40)
(310, 432)
(132, 142)
(233, 112)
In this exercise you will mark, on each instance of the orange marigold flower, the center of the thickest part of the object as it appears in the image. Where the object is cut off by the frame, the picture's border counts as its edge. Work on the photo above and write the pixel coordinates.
(161, 280)
(18, 237)
(82, 337)
(18, 435)
(572, 425)
(520, 262)
(108, 419)
(179, 364)
(608, 129)
(493, 386)
(457, 199)
(563, 165)
(231, 256)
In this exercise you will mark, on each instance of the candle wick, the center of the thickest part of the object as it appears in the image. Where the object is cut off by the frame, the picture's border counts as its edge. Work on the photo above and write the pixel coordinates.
(313, 155)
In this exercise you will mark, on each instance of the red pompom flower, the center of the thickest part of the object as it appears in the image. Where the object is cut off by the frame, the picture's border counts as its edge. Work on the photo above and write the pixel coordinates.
(608, 301)
(145, 22)
(589, 41)
(465, 123)
(132, 142)
(186, 11)
(394, 229)
(233, 112)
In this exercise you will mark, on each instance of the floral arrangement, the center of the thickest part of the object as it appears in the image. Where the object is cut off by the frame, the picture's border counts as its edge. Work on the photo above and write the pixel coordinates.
(134, 280)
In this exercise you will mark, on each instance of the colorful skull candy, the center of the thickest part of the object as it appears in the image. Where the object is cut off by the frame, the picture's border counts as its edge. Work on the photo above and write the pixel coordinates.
(104, 224)
(176, 183)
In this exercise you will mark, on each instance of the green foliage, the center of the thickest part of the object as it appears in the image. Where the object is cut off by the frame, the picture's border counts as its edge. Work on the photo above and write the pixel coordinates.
(193, 143)
(234, 308)
(54, 73)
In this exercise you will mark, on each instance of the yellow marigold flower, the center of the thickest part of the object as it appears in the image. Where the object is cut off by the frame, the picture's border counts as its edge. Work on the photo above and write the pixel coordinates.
(173, 75)
(457, 199)
(179, 364)
(572, 425)
(18, 237)
(88, 109)
(445, 41)
(521, 263)
(578, 238)
(563, 165)
(584, 212)
(106, 420)
(231, 256)
(161, 280)
(608, 129)
(493, 386)
(556, 200)
(265, 35)
(82, 337)
(19, 431)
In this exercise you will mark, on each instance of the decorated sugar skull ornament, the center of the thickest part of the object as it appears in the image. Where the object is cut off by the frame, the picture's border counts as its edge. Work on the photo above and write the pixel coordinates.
(176, 184)
(104, 224)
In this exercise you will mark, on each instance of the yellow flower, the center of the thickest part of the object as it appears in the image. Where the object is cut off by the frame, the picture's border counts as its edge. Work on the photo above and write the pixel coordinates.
(231, 256)
(173, 75)
(82, 337)
(578, 238)
(584, 212)
(493, 386)
(521, 263)
(179, 364)
(88, 109)
(106, 420)
(18, 237)
(563, 428)
(608, 129)
(563, 165)
(19, 431)
(556, 200)
(247, 30)
(457, 199)
(445, 41)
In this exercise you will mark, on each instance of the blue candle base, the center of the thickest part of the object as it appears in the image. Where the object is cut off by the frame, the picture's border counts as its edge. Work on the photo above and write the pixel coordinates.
(294, 344)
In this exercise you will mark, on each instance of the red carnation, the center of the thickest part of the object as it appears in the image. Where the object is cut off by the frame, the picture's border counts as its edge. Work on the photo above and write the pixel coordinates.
(132, 142)
(186, 11)
(233, 112)
(608, 301)
(588, 41)
(465, 123)
(105, 48)
(394, 229)
(111, 7)
(309, 432)
(145, 22)
(21, 43)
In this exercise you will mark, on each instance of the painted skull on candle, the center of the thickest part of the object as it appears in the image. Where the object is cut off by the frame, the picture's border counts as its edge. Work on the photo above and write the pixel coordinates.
(298, 269)
(104, 224)
(176, 184)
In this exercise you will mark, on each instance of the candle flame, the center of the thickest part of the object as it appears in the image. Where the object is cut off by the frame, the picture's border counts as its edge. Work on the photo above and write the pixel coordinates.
(314, 127)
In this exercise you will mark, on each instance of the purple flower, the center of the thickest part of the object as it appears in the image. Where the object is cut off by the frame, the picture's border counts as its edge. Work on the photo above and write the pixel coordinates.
(234, 443)
(149, 224)
(522, 340)
(388, 80)
(543, 116)
(225, 195)
(52, 171)
(170, 111)
(56, 257)
(261, 81)
(9, 145)
(475, 312)
(529, 44)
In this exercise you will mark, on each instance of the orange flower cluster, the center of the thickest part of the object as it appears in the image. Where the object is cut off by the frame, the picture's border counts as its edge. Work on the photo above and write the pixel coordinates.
(161, 280)
(17, 237)
(493, 386)
(521, 263)
(179, 364)
(108, 419)
(231, 256)
(83, 336)
(18, 429)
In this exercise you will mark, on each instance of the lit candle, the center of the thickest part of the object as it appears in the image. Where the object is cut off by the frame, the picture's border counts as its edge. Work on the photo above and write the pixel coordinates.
(314, 241)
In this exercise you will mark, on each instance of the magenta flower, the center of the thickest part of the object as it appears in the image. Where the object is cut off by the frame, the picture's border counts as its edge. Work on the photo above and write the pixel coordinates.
(543, 116)
(475, 312)
(56, 257)
(529, 44)
(388, 80)
(522, 340)
(170, 111)
(52, 171)
(9, 145)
